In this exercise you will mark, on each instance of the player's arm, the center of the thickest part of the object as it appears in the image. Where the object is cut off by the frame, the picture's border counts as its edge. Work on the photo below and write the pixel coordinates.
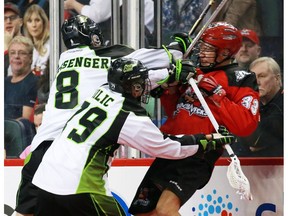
(147, 138)
(241, 113)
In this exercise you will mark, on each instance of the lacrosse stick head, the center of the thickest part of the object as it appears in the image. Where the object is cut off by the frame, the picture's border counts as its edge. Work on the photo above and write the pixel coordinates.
(238, 180)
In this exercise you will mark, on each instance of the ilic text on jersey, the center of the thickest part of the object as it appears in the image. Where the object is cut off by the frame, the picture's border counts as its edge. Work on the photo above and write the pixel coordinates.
(103, 98)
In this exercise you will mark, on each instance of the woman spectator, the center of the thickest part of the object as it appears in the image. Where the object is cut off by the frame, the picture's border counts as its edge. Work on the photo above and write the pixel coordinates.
(36, 27)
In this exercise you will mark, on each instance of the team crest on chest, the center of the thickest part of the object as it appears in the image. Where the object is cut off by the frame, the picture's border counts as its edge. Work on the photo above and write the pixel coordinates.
(240, 74)
(190, 108)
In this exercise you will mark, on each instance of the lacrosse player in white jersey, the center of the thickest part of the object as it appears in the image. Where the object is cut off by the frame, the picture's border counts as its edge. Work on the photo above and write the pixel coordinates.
(72, 177)
(82, 69)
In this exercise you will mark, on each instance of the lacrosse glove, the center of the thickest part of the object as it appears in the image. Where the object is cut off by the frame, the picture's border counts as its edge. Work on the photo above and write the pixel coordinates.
(157, 92)
(210, 87)
(182, 71)
(223, 130)
(183, 41)
(217, 141)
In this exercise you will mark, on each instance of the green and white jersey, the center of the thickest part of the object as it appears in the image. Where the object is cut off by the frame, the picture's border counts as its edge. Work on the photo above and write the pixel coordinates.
(80, 73)
(155, 58)
(78, 159)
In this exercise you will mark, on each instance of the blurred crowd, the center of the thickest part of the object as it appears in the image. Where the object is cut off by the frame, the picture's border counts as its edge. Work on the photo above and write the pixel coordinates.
(27, 50)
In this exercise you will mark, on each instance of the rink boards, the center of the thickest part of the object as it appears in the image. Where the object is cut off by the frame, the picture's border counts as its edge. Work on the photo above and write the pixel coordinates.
(216, 198)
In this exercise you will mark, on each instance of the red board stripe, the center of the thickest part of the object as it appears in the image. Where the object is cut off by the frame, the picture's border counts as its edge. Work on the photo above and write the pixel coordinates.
(148, 162)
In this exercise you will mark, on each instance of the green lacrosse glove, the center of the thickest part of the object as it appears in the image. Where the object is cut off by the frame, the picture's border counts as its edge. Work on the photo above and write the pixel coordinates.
(183, 40)
(217, 141)
(182, 71)
(205, 145)
(223, 130)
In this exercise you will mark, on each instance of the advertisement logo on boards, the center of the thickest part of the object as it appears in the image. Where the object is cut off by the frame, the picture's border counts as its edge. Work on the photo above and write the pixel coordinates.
(214, 204)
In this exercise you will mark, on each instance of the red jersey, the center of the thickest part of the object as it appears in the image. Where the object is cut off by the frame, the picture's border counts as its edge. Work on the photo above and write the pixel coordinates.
(238, 111)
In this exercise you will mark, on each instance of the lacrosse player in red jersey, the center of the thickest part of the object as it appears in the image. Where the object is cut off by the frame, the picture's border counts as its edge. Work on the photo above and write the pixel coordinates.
(232, 95)
(72, 177)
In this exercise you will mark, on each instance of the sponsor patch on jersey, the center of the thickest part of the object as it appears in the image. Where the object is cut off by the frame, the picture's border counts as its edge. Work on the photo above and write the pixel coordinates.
(191, 109)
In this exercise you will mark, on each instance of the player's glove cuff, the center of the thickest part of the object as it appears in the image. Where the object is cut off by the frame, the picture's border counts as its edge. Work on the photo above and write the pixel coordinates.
(182, 71)
(183, 41)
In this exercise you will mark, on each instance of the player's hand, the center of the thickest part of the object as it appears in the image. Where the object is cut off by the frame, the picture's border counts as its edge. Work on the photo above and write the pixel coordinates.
(183, 40)
(182, 71)
(205, 143)
(213, 141)
(210, 87)
(223, 130)
(157, 92)
(220, 140)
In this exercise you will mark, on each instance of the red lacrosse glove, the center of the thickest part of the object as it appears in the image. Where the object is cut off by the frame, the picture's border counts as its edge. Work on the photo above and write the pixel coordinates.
(210, 87)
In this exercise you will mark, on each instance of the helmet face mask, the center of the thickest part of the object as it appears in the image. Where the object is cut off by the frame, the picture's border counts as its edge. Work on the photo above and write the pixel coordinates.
(207, 54)
(129, 77)
(95, 40)
(141, 88)
(80, 31)
(225, 38)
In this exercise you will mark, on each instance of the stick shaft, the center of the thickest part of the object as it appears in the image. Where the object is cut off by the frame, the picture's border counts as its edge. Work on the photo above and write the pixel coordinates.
(234, 158)
(209, 113)
(202, 15)
(195, 40)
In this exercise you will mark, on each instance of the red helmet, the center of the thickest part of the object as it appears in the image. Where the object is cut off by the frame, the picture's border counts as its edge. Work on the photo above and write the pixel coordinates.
(223, 35)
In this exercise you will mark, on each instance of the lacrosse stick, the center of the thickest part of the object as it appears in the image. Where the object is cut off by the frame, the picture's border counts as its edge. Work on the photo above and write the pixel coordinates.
(211, 18)
(202, 15)
(235, 176)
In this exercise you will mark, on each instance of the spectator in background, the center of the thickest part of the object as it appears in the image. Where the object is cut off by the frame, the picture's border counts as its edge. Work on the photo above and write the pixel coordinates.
(12, 27)
(20, 89)
(12, 23)
(250, 49)
(44, 86)
(38, 114)
(267, 140)
(24, 4)
(241, 14)
(36, 27)
(100, 12)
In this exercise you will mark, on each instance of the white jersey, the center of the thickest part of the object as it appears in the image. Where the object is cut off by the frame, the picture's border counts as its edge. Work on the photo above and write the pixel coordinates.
(78, 159)
(157, 61)
(155, 58)
(80, 73)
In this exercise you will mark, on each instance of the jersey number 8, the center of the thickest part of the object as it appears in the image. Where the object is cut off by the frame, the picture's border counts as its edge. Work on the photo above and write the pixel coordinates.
(67, 95)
